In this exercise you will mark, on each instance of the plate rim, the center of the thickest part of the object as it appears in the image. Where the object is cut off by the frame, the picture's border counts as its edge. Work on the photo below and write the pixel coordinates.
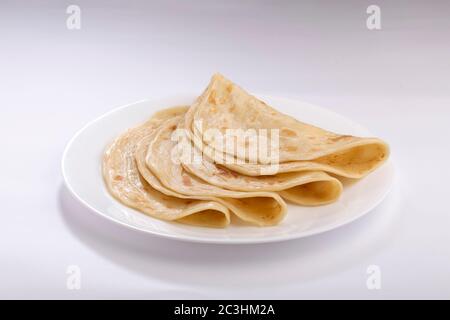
(226, 241)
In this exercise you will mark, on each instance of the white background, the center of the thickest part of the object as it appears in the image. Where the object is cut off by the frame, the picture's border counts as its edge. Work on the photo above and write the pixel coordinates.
(394, 81)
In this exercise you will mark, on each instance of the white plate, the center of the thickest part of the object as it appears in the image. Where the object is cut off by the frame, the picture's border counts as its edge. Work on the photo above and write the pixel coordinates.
(81, 167)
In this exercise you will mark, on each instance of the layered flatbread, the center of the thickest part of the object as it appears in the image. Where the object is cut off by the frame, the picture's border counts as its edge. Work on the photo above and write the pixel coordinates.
(224, 105)
(259, 208)
(127, 185)
(214, 172)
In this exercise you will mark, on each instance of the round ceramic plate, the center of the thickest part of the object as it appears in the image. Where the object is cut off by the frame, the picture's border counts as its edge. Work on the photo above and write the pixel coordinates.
(81, 167)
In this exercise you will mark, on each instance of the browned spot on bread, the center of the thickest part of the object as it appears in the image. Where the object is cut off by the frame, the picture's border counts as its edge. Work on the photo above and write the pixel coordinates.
(288, 133)
(337, 138)
(187, 181)
(227, 173)
(234, 174)
(118, 178)
(212, 98)
(223, 172)
(291, 148)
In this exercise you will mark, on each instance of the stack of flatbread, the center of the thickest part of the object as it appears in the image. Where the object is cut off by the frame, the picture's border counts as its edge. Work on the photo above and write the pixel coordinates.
(198, 164)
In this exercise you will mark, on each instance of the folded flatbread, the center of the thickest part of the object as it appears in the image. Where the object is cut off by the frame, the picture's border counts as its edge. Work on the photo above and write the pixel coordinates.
(309, 188)
(171, 167)
(127, 185)
(224, 105)
(162, 159)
